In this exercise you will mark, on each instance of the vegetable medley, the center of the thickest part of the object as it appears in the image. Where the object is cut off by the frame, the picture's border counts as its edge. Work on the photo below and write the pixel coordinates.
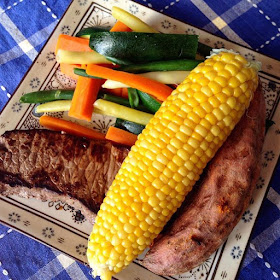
(125, 72)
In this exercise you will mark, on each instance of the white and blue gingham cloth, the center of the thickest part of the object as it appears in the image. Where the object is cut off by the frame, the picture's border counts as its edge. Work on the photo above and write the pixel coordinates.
(25, 25)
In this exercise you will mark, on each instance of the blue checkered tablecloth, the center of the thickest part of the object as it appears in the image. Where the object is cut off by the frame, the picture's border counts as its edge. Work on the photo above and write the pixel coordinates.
(25, 26)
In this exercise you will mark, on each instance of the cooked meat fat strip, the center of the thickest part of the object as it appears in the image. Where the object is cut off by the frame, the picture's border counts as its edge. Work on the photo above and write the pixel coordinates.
(50, 165)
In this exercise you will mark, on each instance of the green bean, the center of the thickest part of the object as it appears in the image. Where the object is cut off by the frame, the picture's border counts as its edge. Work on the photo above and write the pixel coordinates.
(46, 96)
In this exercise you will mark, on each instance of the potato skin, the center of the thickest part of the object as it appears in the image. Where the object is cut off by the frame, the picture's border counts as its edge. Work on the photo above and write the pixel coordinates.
(216, 205)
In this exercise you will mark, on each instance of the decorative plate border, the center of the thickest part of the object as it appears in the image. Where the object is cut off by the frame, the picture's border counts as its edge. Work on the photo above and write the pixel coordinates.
(41, 221)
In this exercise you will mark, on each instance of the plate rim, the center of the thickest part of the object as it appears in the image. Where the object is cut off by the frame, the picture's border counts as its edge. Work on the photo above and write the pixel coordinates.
(151, 8)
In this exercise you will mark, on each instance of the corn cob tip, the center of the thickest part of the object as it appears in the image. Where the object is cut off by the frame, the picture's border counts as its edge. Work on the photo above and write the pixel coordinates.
(218, 51)
(104, 274)
(257, 65)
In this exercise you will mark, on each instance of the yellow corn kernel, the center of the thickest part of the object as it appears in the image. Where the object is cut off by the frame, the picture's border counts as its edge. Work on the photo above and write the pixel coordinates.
(209, 137)
(193, 117)
(241, 59)
(195, 87)
(181, 114)
(227, 57)
(234, 82)
(241, 77)
(197, 136)
(232, 69)
(247, 74)
(168, 158)
(222, 81)
(178, 160)
(192, 102)
(243, 87)
(242, 99)
(183, 87)
(209, 62)
(201, 130)
(215, 87)
(193, 143)
(200, 97)
(228, 91)
(225, 109)
(206, 68)
(203, 81)
(218, 114)
(207, 107)
(213, 100)
(231, 102)
(182, 153)
(211, 118)
(225, 73)
(228, 120)
(183, 171)
(205, 123)
(207, 91)
(219, 66)
(221, 97)
(172, 166)
(237, 92)
(215, 130)
(176, 143)
(197, 76)
(199, 111)
(211, 75)
(189, 148)
(180, 136)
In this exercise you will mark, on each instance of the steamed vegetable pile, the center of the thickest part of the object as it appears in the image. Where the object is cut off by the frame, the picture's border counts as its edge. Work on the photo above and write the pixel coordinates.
(174, 145)
(125, 72)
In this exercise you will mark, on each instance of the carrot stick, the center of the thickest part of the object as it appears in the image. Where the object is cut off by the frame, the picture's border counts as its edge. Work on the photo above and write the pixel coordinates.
(121, 92)
(70, 43)
(124, 93)
(115, 91)
(120, 27)
(84, 96)
(68, 70)
(144, 84)
(121, 136)
(70, 127)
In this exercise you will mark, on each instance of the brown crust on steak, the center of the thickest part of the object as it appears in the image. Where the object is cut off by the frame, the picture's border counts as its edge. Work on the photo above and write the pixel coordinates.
(206, 219)
(49, 165)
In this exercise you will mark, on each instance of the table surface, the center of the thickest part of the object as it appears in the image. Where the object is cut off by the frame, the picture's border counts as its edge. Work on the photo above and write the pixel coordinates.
(25, 26)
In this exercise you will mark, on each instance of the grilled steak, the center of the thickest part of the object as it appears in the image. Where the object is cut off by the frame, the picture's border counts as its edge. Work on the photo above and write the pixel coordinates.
(50, 165)
(212, 210)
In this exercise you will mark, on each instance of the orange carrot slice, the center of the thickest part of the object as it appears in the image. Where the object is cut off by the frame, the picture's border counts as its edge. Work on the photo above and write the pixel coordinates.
(120, 27)
(70, 43)
(121, 136)
(121, 92)
(124, 93)
(114, 91)
(68, 70)
(84, 96)
(147, 85)
(70, 127)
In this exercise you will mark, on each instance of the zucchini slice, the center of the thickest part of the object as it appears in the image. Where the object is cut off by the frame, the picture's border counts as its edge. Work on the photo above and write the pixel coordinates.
(138, 47)
(132, 127)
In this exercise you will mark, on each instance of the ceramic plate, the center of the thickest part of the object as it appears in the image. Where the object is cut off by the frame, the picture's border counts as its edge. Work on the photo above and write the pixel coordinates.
(62, 226)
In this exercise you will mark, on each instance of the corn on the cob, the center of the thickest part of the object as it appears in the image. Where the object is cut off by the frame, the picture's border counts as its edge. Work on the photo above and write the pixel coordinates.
(168, 158)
